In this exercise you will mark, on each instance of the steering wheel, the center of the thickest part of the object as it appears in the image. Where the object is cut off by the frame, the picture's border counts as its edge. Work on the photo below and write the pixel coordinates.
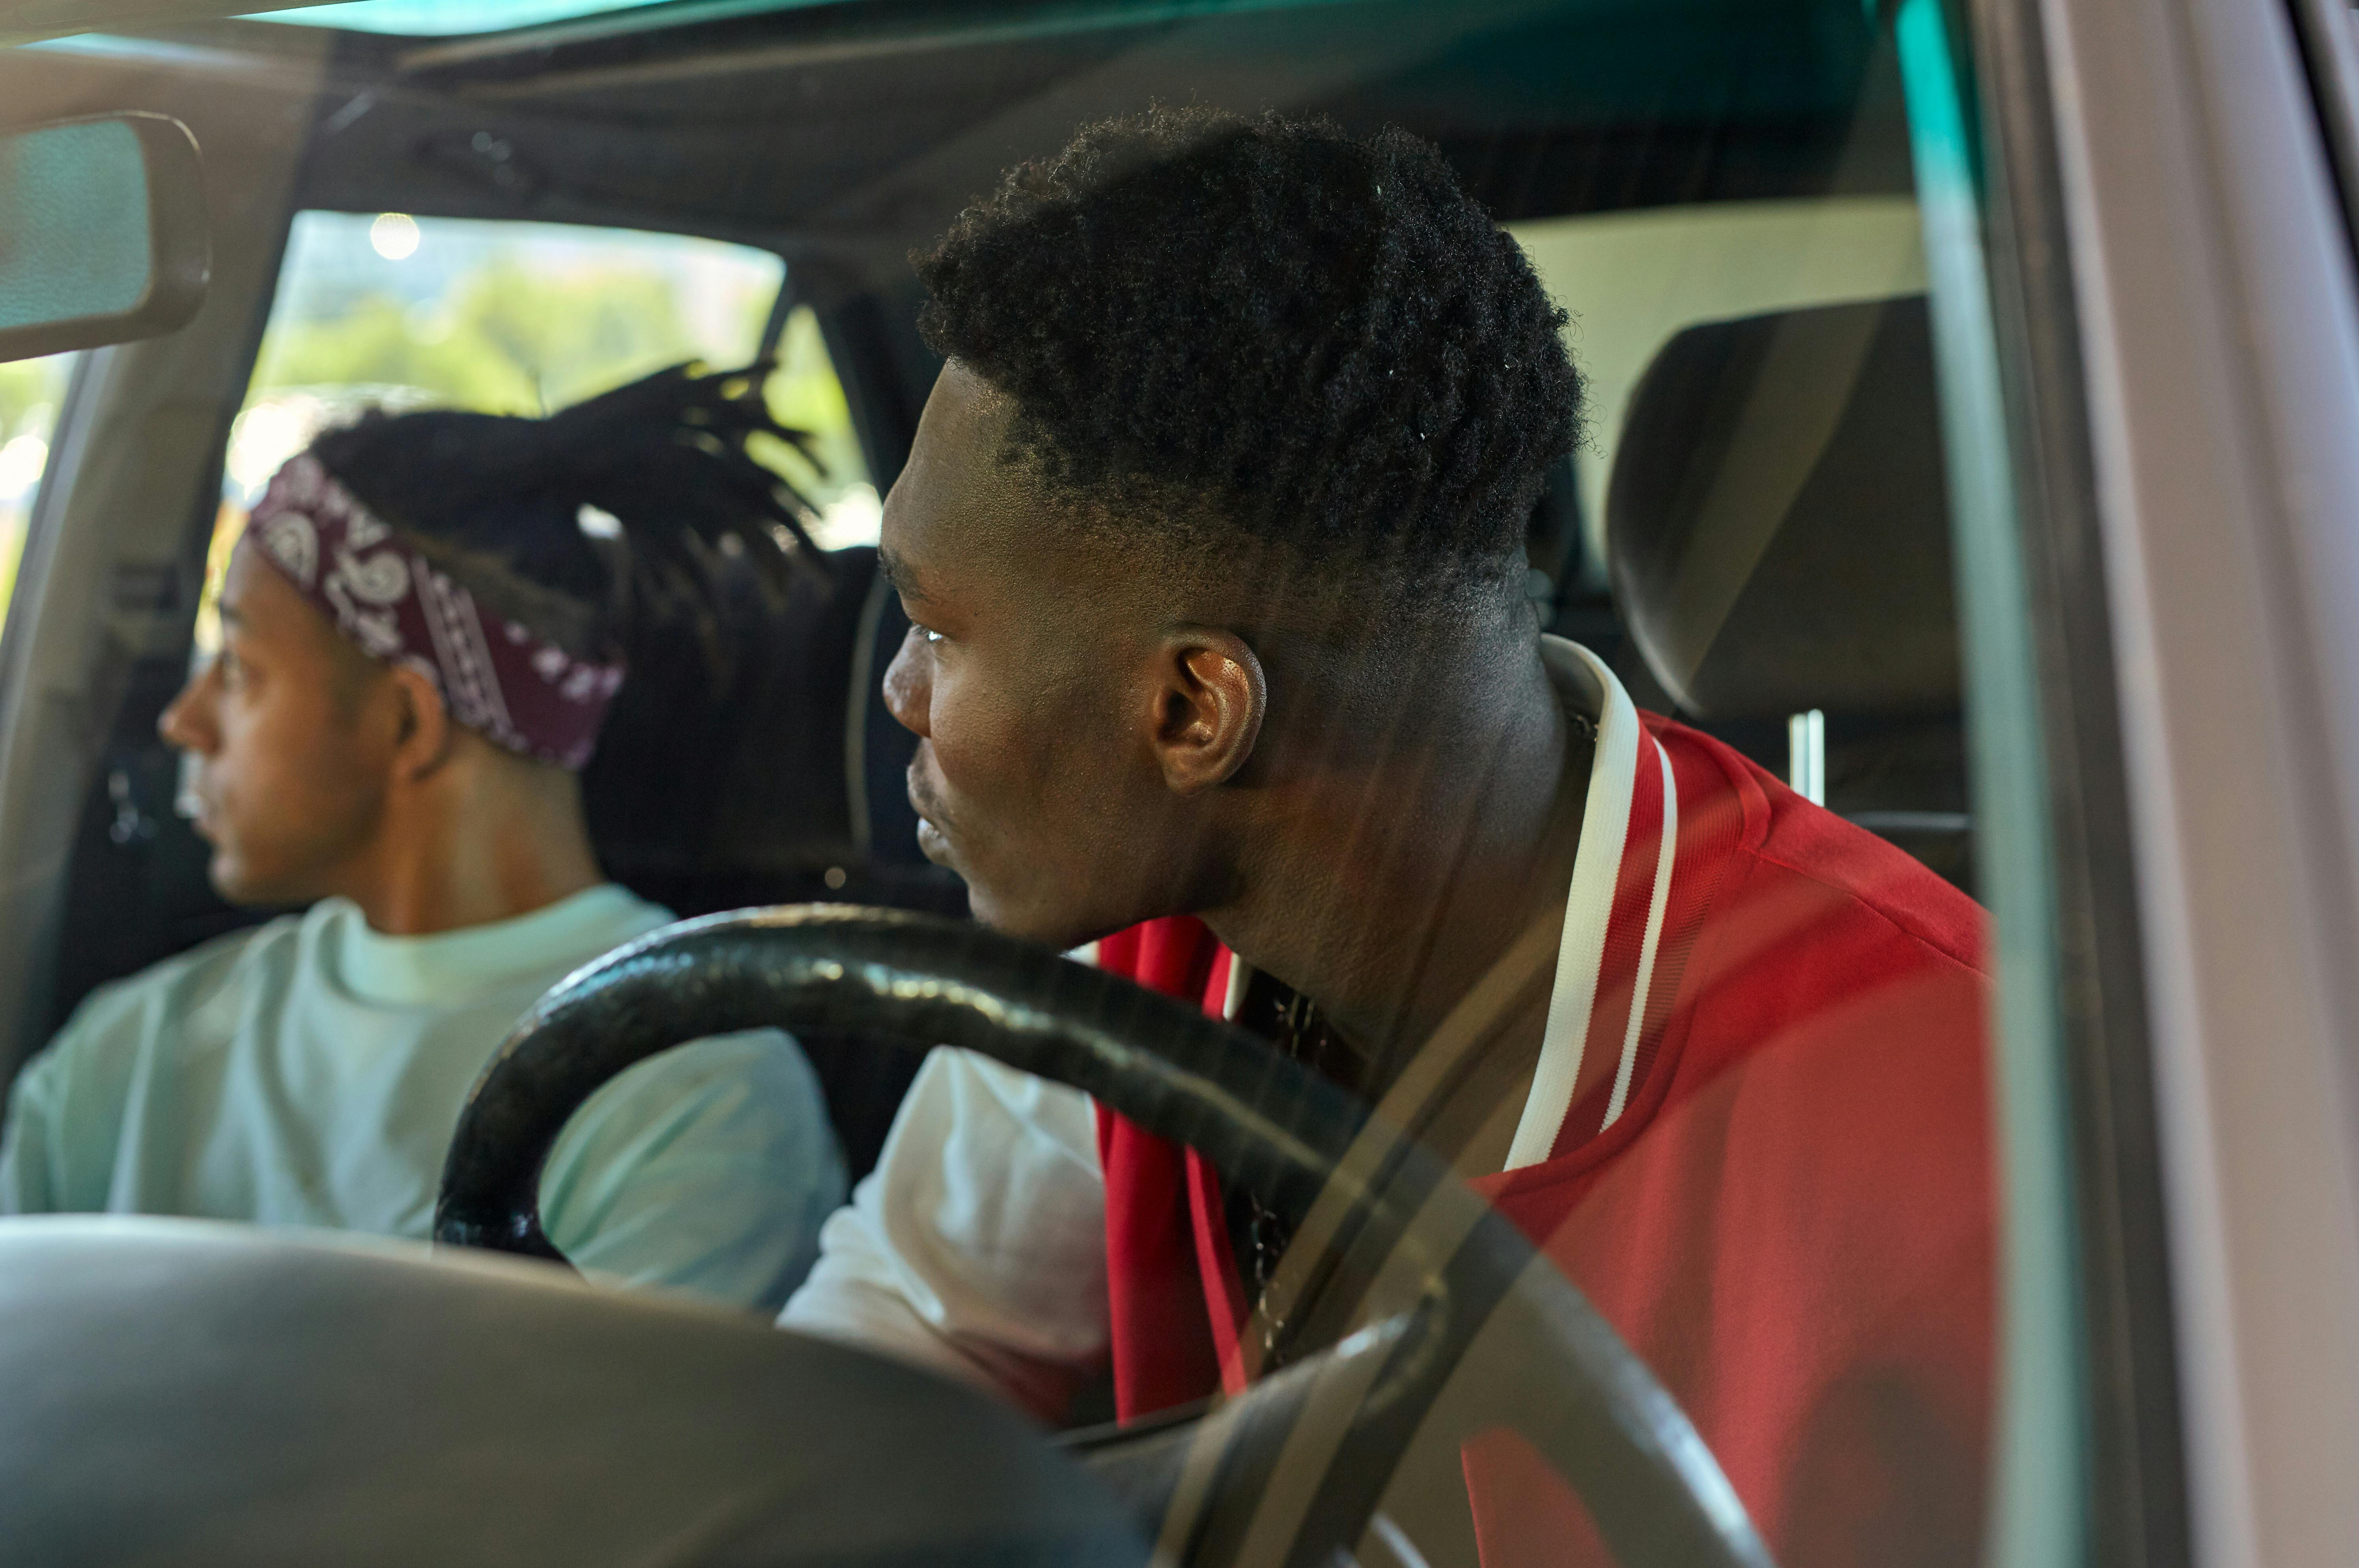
(1291, 1471)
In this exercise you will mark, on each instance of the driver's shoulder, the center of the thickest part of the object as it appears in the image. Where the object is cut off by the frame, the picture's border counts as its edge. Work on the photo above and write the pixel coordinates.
(1809, 959)
(1809, 872)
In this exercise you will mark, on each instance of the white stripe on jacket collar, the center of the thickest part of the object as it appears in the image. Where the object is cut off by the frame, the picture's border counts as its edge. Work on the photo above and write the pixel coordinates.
(1590, 688)
(1658, 901)
(1589, 904)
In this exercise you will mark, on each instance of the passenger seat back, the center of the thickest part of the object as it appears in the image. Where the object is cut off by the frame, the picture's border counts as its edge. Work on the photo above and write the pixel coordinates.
(1777, 529)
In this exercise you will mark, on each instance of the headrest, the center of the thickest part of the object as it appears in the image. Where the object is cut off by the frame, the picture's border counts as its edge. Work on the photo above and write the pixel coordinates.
(1777, 521)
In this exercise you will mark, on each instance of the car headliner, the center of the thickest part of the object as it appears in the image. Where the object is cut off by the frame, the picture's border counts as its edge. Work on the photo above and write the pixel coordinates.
(849, 131)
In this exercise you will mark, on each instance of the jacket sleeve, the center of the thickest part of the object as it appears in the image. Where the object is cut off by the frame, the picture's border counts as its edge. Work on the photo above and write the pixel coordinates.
(977, 1247)
(708, 1169)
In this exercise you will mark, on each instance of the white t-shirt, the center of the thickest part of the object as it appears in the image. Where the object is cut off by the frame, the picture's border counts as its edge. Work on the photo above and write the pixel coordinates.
(977, 1246)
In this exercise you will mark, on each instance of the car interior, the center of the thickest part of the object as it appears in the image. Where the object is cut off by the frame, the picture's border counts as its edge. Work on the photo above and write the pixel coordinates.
(1756, 536)
(793, 790)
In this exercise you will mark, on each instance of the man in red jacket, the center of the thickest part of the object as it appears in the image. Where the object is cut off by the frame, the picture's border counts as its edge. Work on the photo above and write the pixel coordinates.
(1210, 540)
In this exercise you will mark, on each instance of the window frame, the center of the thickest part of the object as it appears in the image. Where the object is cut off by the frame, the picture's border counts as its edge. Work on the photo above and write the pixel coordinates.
(2159, 188)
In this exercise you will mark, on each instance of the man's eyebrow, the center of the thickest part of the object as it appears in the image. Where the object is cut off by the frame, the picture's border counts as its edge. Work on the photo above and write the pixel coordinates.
(229, 612)
(899, 573)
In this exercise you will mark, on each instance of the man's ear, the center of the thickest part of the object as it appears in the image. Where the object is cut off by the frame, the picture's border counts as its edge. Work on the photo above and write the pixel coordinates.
(422, 740)
(1210, 698)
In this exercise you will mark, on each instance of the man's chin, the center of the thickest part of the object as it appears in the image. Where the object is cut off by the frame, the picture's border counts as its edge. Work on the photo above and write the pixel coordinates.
(1003, 906)
(996, 912)
(1055, 929)
(230, 883)
(240, 885)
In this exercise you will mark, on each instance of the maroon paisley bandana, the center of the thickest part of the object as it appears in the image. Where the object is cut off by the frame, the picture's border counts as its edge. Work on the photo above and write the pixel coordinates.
(499, 680)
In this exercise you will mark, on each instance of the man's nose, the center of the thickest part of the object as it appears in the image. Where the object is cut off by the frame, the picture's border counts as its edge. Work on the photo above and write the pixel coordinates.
(908, 685)
(185, 722)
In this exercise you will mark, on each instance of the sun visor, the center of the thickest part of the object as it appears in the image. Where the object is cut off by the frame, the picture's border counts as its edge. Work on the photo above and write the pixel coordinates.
(1777, 516)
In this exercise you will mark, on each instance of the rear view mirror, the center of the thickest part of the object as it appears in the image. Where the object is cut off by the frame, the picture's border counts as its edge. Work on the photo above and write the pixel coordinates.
(102, 233)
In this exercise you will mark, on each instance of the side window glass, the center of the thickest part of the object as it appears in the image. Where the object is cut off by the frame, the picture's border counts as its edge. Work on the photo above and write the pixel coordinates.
(31, 391)
(806, 394)
(394, 312)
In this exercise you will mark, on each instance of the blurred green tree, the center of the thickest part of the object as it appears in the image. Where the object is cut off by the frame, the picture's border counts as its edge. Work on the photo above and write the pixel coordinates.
(504, 341)
(805, 393)
(509, 341)
(26, 384)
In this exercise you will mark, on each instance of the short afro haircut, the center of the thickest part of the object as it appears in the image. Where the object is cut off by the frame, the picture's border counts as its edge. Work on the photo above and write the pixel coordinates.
(1270, 327)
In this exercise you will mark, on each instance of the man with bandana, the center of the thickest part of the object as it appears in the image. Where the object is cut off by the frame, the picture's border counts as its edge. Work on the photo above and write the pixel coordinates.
(420, 642)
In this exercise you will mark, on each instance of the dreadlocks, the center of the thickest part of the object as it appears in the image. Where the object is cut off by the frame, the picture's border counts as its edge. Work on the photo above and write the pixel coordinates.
(508, 505)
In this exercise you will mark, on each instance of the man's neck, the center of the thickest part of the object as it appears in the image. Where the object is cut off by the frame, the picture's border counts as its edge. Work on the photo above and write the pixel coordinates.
(491, 850)
(1387, 890)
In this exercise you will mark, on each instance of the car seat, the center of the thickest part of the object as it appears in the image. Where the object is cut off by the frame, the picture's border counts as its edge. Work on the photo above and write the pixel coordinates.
(1778, 531)
(783, 782)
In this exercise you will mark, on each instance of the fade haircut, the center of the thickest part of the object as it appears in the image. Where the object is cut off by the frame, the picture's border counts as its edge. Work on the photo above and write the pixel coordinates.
(1266, 331)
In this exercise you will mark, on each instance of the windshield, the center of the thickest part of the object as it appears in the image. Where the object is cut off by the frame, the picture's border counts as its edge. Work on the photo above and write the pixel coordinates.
(31, 393)
(1422, 535)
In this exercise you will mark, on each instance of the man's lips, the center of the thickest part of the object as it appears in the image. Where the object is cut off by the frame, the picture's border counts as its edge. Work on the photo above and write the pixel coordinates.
(932, 842)
(197, 803)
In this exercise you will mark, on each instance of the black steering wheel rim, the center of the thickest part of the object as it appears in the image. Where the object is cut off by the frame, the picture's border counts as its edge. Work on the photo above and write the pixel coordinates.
(1653, 1489)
